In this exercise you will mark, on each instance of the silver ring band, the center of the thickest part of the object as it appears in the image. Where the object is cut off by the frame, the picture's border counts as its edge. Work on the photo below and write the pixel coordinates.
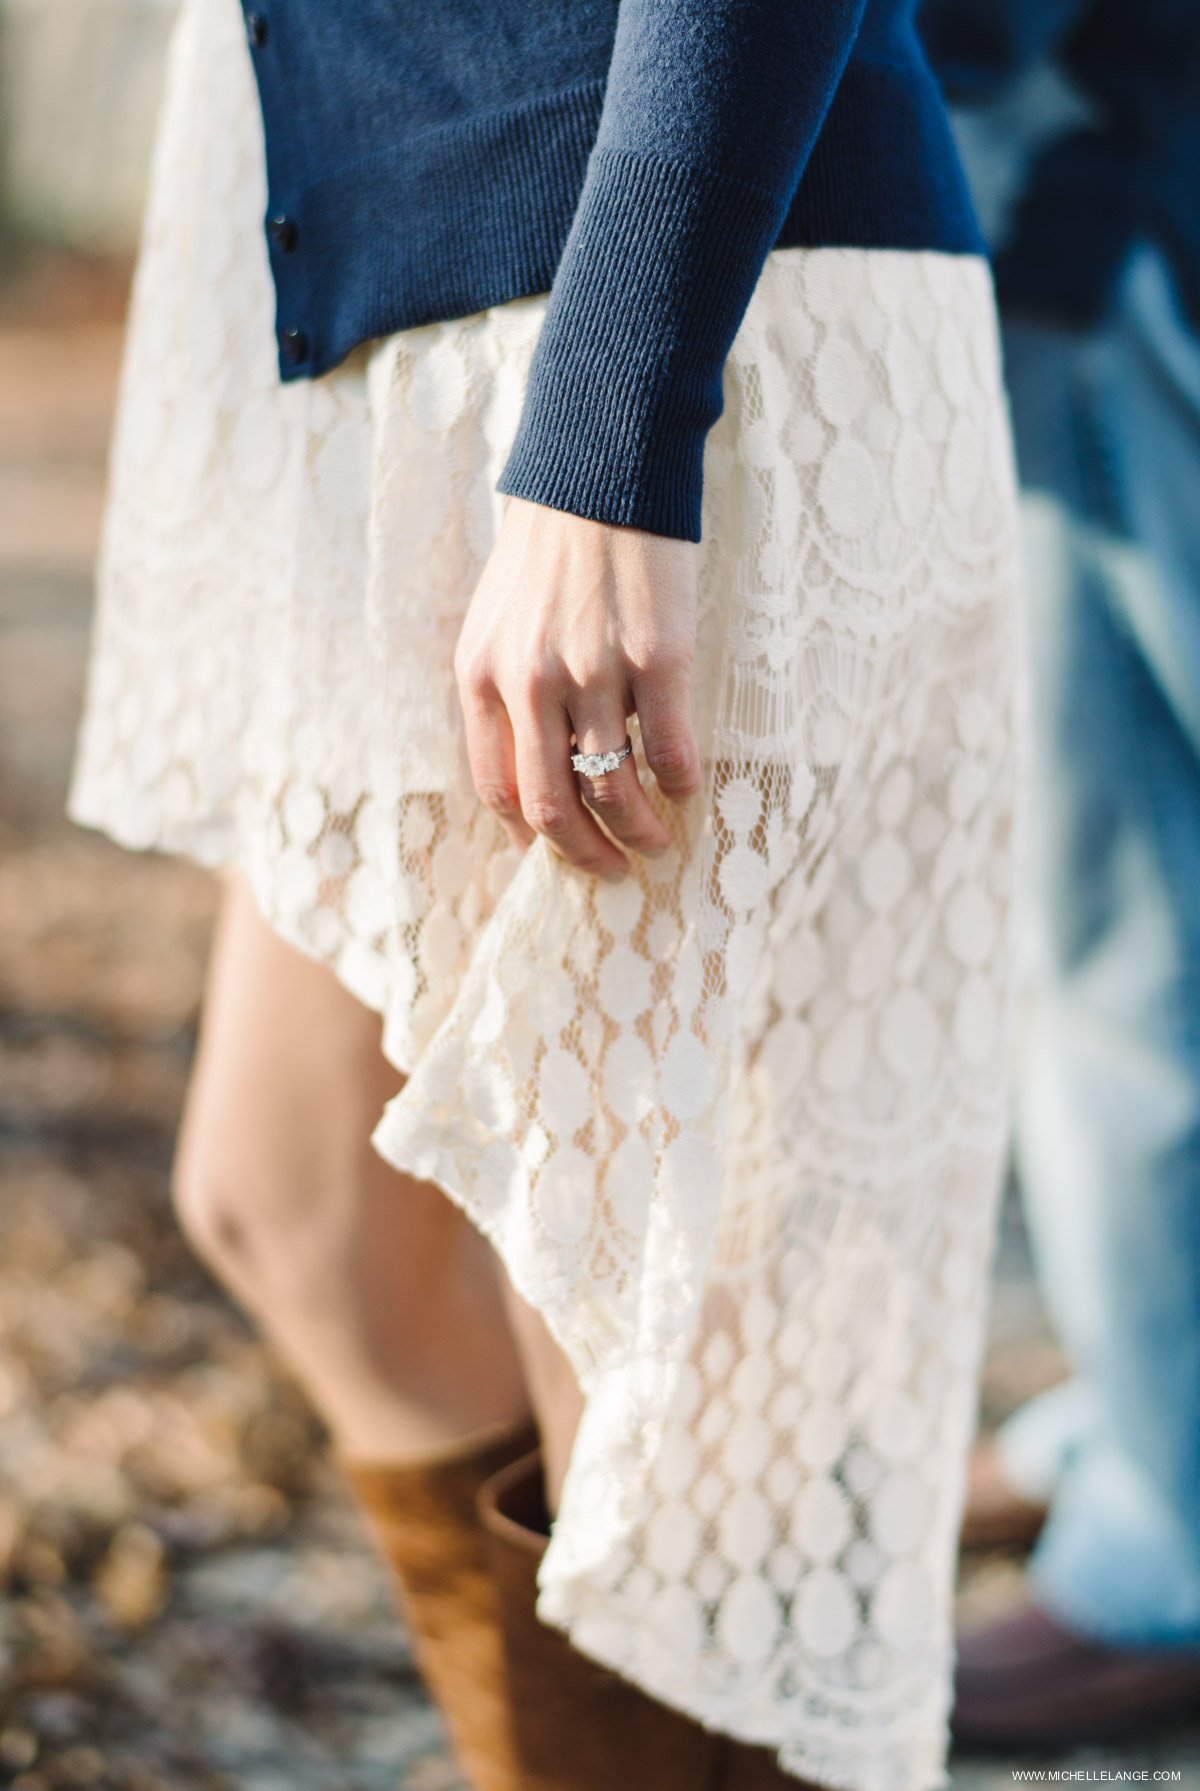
(598, 764)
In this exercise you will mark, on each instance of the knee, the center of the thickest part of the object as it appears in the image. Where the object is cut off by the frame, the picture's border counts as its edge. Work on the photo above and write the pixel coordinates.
(222, 1228)
(255, 1207)
(288, 1219)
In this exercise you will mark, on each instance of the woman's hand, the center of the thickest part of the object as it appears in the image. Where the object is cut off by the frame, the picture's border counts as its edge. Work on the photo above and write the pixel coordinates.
(574, 626)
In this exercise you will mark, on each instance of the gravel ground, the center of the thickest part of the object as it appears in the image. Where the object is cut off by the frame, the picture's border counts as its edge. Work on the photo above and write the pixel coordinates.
(186, 1599)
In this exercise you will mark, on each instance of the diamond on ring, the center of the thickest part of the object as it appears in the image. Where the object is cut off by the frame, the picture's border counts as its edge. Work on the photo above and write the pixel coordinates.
(595, 764)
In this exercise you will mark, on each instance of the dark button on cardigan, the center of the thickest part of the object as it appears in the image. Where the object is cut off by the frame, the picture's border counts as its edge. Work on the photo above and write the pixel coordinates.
(293, 346)
(282, 231)
(637, 159)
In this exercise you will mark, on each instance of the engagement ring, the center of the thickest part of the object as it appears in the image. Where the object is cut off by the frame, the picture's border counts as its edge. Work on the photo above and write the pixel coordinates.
(595, 764)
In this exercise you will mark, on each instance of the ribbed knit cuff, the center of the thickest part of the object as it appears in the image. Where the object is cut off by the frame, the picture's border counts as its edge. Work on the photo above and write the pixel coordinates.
(626, 378)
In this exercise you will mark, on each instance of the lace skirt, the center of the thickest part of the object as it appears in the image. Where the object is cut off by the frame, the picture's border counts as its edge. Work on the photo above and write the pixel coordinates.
(736, 1126)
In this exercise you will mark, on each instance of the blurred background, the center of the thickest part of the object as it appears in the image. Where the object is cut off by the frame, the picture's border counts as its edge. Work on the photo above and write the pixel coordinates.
(186, 1600)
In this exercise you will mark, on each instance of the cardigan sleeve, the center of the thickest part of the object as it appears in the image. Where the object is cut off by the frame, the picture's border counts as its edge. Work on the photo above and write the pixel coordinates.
(710, 111)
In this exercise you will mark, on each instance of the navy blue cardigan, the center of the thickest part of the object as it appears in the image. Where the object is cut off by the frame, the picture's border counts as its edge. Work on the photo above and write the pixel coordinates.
(637, 159)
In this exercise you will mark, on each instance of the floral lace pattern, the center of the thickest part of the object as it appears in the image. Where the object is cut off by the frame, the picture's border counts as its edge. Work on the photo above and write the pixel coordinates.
(735, 1126)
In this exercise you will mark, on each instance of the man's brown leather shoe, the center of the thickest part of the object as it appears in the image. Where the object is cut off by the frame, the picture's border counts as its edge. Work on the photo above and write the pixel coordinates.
(996, 1516)
(1024, 1681)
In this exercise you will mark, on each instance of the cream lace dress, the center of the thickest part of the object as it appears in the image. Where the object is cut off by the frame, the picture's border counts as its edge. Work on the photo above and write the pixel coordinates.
(736, 1126)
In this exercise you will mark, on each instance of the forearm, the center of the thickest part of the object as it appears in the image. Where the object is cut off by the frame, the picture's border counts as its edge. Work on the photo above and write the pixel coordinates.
(710, 114)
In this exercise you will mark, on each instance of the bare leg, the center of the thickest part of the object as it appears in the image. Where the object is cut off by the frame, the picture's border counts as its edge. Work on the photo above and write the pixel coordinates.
(384, 1300)
(557, 1401)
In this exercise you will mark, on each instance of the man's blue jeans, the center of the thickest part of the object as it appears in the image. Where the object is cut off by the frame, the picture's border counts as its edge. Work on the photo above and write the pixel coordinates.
(1108, 439)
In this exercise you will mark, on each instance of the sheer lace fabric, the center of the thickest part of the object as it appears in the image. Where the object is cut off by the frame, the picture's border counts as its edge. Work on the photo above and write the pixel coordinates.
(736, 1126)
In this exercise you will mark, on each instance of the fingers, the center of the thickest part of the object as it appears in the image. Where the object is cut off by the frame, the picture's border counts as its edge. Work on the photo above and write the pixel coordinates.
(549, 786)
(523, 774)
(522, 771)
(663, 699)
(547, 651)
(617, 797)
(492, 756)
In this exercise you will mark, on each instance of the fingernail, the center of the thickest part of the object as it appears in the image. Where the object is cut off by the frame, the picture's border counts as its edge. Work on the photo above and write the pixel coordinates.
(612, 874)
(657, 851)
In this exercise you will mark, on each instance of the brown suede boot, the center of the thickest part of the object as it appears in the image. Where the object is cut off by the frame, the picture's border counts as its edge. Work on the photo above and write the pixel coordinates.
(425, 1521)
(577, 1726)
